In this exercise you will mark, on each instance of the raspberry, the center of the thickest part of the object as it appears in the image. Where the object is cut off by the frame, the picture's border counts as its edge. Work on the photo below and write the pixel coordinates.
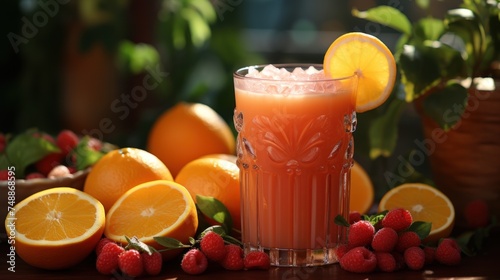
(130, 263)
(354, 216)
(386, 261)
(414, 258)
(341, 250)
(212, 245)
(257, 260)
(3, 143)
(477, 214)
(400, 260)
(194, 262)
(152, 263)
(233, 260)
(4, 175)
(430, 253)
(385, 240)
(360, 260)
(100, 245)
(406, 240)
(360, 233)
(66, 141)
(48, 162)
(34, 175)
(107, 260)
(398, 219)
(448, 252)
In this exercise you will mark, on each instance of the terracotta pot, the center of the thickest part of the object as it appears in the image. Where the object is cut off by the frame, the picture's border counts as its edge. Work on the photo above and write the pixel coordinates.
(465, 161)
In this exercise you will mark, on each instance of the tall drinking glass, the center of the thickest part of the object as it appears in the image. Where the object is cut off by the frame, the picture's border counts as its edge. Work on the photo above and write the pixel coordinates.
(295, 150)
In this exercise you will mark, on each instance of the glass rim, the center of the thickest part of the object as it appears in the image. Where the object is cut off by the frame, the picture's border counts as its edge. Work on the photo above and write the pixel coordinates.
(318, 66)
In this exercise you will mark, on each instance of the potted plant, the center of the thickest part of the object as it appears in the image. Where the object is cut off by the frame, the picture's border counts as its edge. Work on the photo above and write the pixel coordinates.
(449, 69)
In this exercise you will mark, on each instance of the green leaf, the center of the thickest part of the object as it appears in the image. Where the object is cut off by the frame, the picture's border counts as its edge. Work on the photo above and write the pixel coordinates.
(428, 29)
(140, 246)
(178, 32)
(85, 155)
(383, 132)
(423, 4)
(375, 218)
(214, 209)
(422, 229)
(386, 15)
(446, 106)
(170, 243)
(205, 8)
(198, 27)
(28, 148)
(341, 221)
(427, 65)
(137, 56)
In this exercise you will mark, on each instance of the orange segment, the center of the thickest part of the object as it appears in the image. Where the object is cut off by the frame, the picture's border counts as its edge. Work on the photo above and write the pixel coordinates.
(215, 177)
(370, 59)
(426, 204)
(156, 208)
(362, 192)
(56, 228)
(188, 131)
(120, 170)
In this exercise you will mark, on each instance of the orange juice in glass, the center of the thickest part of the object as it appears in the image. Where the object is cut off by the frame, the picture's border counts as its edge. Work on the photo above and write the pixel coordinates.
(295, 150)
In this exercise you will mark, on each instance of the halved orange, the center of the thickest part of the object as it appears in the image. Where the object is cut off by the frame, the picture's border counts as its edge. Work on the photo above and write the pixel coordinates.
(362, 192)
(425, 203)
(56, 228)
(367, 57)
(158, 208)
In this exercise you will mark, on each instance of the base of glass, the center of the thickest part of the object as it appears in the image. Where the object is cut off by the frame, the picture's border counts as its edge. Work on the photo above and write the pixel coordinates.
(297, 258)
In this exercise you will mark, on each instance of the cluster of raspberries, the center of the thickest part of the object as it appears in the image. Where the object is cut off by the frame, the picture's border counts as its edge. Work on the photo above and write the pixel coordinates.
(229, 256)
(392, 247)
(113, 258)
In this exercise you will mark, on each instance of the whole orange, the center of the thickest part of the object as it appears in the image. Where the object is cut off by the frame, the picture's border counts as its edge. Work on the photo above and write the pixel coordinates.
(188, 131)
(120, 170)
(214, 177)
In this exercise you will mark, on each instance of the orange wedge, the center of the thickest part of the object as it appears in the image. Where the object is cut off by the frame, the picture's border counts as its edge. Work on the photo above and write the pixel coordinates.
(56, 228)
(157, 208)
(362, 193)
(426, 204)
(368, 58)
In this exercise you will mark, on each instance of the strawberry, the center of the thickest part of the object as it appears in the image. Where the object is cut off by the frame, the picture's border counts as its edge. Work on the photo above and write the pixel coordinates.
(66, 140)
(448, 252)
(257, 260)
(360, 260)
(130, 263)
(152, 263)
(360, 234)
(398, 219)
(107, 260)
(194, 262)
(212, 245)
(414, 258)
(233, 260)
(385, 240)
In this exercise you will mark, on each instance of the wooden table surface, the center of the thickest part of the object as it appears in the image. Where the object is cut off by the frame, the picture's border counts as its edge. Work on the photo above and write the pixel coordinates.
(485, 266)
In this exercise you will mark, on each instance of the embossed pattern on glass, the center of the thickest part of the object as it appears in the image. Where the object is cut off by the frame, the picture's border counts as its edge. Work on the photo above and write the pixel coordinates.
(294, 152)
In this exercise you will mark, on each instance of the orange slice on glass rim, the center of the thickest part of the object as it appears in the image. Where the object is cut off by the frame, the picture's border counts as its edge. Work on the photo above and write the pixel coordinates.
(426, 204)
(370, 59)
